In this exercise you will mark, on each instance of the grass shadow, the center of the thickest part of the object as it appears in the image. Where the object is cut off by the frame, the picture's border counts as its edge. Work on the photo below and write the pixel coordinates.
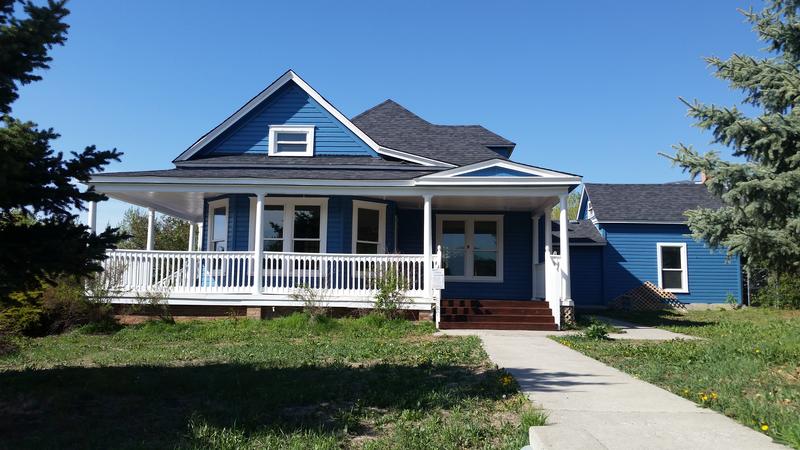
(150, 407)
(661, 318)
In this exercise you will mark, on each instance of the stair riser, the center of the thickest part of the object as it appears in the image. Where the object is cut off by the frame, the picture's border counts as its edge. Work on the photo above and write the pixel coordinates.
(498, 319)
(499, 311)
(497, 326)
(494, 303)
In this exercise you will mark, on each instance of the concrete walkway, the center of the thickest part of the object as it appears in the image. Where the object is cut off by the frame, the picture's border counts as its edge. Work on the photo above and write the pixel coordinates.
(633, 331)
(608, 409)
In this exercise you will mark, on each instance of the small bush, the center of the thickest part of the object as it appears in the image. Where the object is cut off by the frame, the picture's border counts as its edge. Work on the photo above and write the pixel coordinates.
(154, 302)
(597, 331)
(391, 293)
(314, 302)
(781, 292)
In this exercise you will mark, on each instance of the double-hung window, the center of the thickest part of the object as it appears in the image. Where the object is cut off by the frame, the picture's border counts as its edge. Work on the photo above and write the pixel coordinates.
(293, 224)
(291, 140)
(369, 227)
(472, 246)
(218, 225)
(672, 267)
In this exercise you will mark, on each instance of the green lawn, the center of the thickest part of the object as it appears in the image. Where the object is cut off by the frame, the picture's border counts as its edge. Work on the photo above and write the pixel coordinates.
(747, 367)
(346, 383)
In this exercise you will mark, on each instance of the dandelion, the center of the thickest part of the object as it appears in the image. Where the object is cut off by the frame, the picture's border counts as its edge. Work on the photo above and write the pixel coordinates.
(714, 395)
(758, 350)
(764, 427)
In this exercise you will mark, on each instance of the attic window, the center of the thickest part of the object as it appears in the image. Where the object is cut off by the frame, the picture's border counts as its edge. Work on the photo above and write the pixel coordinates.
(291, 140)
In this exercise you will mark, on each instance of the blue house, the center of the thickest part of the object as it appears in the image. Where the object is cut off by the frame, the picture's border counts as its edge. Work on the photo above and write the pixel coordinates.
(287, 194)
(647, 239)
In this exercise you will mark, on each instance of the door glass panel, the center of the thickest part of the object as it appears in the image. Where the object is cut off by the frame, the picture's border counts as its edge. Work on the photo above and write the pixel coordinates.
(670, 257)
(302, 246)
(273, 228)
(366, 248)
(485, 236)
(220, 229)
(306, 222)
(453, 243)
(485, 263)
(368, 225)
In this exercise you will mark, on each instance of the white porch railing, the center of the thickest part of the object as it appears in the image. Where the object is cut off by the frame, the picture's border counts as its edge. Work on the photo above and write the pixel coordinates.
(283, 273)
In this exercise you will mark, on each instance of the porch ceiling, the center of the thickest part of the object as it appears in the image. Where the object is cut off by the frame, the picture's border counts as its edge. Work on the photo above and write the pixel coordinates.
(185, 205)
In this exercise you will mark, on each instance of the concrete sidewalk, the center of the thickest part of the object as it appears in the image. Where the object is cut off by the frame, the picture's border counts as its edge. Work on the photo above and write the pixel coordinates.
(612, 409)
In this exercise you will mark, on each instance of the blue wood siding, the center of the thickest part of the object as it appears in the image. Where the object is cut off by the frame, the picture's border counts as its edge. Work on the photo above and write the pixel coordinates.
(496, 172)
(238, 221)
(517, 247)
(340, 224)
(630, 259)
(289, 105)
(586, 275)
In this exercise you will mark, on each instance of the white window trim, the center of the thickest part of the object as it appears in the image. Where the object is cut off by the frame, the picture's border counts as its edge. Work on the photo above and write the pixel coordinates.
(273, 144)
(289, 203)
(469, 236)
(212, 205)
(381, 208)
(684, 266)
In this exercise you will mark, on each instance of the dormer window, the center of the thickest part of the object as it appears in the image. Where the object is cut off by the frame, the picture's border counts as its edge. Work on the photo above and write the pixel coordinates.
(291, 140)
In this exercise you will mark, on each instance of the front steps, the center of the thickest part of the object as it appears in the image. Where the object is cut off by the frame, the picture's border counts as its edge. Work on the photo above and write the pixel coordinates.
(496, 315)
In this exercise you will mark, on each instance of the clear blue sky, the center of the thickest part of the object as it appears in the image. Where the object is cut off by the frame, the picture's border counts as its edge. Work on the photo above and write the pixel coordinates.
(586, 87)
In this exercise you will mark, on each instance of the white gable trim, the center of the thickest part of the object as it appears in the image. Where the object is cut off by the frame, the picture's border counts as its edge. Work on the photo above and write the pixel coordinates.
(271, 89)
(460, 175)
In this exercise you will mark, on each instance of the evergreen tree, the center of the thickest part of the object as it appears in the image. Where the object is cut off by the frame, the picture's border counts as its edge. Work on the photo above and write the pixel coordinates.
(760, 217)
(170, 233)
(40, 238)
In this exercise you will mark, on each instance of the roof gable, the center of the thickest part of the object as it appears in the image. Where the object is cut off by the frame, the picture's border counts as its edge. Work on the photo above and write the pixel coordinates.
(502, 170)
(289, 105)
(233, 120)
(645, 203)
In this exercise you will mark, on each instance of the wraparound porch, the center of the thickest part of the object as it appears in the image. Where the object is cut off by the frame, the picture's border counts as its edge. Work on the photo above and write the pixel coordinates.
(519, 259)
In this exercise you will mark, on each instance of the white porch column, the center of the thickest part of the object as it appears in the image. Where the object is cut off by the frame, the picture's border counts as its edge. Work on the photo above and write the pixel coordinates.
(427, 247)
(258, 244)
(151, 224)
(92, 219)
(199, 236)
(191, 236)
(566, 290)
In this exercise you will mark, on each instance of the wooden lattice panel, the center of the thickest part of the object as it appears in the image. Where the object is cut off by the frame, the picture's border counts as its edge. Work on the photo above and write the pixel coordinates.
(647, 297)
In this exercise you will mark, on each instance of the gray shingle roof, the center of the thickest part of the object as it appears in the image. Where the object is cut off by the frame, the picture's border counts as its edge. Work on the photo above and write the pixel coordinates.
(276, 173)
(648, 202)
(395, 127)
(580, 232)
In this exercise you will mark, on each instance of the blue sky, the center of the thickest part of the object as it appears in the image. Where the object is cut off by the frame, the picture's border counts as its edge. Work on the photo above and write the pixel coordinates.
(586, 87)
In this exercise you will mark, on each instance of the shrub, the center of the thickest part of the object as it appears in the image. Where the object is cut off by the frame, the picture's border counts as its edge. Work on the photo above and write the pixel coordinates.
(781, 292)
(154, 302)
(391, 293)
(314, 302)
(597, 331)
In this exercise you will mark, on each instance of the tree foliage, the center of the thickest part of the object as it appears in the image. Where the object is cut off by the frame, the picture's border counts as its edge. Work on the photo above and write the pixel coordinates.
(170, 233)
(760, 217)
(40, 238)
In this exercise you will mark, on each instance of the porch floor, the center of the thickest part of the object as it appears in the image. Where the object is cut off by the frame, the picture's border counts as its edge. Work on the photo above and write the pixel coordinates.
(497, 315)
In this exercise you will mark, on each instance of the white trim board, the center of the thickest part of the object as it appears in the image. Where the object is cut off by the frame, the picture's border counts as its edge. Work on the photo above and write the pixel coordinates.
(271, 89)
